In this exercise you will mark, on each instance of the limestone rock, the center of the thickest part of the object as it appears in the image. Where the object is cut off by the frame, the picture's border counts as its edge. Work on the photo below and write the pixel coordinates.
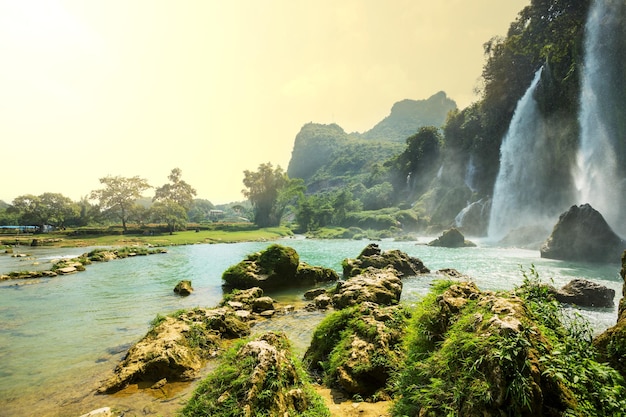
(275, 267)
(311, 294)
(176, 348)
(451, 238)
(262, 304)
(373, 256)
(582, 234)
(585, 293)
(183, 288)
(370, 337)
(378, 286)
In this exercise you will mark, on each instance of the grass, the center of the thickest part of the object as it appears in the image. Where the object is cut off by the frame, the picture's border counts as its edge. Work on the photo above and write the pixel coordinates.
(187, 237)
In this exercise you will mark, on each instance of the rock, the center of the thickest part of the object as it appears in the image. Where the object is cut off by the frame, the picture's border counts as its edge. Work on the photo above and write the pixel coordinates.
(273, 267)
(262, 304)
(473, 220)
(268, 382)
(585, 293)
(611, 344)
(67, 270)
(308, 275)
(176, 348)
(100, 412)
(528, 237)
(582, 234)
(451, 238)
(373, 256)
(311, 294)
(370, 337)
(322, 301)
(382, 287)
(183, 288)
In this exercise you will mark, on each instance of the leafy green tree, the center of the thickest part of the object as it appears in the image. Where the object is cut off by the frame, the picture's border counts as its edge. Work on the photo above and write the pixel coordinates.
(176, 190)
(46, 209)
(269, 190)
(172, 201)
(119, 195)
(171, 213)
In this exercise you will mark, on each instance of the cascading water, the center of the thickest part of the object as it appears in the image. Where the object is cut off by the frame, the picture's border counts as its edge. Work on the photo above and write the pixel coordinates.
(602, 104)
(522, 188)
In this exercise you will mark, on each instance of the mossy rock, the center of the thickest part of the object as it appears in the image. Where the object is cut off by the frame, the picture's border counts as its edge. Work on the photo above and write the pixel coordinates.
(357, 349)
(260, 377)
(373, 256)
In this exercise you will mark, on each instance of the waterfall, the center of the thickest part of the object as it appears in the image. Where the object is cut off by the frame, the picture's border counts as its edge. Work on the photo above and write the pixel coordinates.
(596, 174)
(522, 188)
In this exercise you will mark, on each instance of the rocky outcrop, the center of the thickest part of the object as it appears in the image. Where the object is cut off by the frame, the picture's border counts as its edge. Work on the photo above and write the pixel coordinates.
(527, 237)
(611, 344)
(582, 234)
(275, 267)
(183, 288)
(373, 257)
(175, 348)
(261, 378)
(363, 344)
(378, 286)
(585, 293)
(452, 238)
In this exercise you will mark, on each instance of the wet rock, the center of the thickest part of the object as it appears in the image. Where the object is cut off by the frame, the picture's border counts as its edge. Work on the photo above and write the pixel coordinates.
(262, 304)
(100, 412)
(176, 348)
(308, 275)
(582, 234)
(183, 288)
(273, 267)
(322, 301)
(311, 294)
(451, 238)
(373, 256)
(585, 293)
(378, 286)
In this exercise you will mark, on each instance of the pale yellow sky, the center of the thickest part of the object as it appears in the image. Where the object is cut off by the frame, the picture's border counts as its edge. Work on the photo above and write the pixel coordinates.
(90, 88)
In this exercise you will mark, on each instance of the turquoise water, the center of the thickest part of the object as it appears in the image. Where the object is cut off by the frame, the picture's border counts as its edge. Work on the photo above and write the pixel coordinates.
(59, 337)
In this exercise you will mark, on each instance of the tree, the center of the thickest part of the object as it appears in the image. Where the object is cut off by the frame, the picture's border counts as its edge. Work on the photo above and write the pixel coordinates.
(176, 190)
(173, 200)
(269, 190)
(170, 213)
(119, 195)
(200, 210)
(47, 209)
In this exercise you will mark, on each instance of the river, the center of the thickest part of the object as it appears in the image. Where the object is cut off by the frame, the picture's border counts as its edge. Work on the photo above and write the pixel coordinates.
(60, 337)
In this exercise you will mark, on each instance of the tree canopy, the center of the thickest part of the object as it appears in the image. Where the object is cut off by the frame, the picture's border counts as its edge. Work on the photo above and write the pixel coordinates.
(119, 195)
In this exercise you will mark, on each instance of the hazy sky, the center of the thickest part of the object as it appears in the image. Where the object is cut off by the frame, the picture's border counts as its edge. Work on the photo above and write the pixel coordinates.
(91, 88)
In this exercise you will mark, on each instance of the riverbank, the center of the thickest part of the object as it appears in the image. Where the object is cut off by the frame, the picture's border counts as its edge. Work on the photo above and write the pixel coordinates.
(73, 239)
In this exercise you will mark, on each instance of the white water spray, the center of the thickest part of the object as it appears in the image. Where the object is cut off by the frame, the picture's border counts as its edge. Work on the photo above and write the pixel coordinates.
(596, 175)
(521, 187)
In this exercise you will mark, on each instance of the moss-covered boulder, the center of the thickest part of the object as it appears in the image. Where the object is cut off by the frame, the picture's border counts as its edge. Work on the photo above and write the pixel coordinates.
(373, 256)
(275, 267)
(452, 238)
(481, 353)
(175, 348)
(183, 288)
(257, 378)
(357, 349)
(612, 343)
(378, 286)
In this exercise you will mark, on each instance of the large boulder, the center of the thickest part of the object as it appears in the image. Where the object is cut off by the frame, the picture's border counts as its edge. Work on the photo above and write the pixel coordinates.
(451, 238)
(359, 348)
(378, 286)
(482, 353)
(585, 293)
(261, 377)
(372, 256)
(176, 348)
(275, 267)
(183, 288)
(582, 234)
